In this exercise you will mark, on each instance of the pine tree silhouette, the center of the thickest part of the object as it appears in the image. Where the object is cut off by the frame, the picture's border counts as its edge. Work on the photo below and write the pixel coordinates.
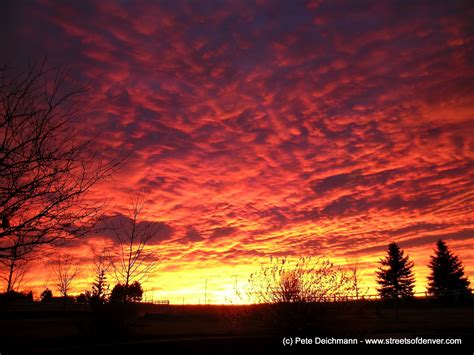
(447, 273)
(395, 276)
(100, 288)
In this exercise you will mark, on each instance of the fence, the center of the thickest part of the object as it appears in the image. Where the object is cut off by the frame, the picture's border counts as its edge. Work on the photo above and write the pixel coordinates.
(165, 302)
(296, 297)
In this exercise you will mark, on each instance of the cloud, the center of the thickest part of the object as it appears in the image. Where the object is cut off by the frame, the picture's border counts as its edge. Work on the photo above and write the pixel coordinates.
(223, 232)
(120, 226)
(352, 180)
(275, 127)
(427, 239)
(193, 235)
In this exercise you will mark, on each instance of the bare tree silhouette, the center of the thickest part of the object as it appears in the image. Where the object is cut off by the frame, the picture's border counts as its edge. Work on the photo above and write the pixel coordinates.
(16, 263)
(356, 277)
(135, 260)
(65, 271)
(46, 169)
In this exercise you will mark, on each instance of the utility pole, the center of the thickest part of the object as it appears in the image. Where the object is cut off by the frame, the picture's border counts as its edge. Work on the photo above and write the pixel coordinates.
(205, 291)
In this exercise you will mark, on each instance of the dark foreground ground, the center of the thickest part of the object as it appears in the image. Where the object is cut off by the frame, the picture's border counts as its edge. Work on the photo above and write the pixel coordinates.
(155, 329)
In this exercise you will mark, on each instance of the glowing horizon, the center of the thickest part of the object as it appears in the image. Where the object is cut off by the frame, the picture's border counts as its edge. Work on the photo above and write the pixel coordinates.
(312, 128)
(190, 284)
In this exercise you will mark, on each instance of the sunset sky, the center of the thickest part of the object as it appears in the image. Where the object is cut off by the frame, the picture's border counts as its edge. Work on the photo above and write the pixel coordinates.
(269, 128)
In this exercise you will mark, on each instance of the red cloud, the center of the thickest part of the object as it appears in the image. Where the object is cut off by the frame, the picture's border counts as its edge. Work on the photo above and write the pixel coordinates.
(278, 128)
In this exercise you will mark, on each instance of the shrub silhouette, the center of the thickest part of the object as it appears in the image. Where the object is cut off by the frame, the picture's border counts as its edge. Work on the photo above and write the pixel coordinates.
(46, 295)
(125, 294)
(14, 296)
(292, 293)
(305, 280)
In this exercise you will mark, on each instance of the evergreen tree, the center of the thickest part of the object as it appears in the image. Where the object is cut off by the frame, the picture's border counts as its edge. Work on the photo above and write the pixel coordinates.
(100, 288)
(395, 276)
(447, 273)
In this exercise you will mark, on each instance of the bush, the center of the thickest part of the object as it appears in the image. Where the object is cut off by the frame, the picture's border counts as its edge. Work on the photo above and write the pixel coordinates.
(46, 295)
(125, 294)
(14, 296)
(82, 298)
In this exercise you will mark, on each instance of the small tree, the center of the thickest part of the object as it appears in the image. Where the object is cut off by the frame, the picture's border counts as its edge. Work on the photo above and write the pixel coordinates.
(356, 277)
(46, 295)
(65, 270)
(395, 276)
(447, 273)
(100, 286)
(100, 289)
(124, 294)
(134, 260)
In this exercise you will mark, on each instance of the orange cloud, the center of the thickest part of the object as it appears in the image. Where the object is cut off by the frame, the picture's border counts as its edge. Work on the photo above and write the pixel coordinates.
(273, 129)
